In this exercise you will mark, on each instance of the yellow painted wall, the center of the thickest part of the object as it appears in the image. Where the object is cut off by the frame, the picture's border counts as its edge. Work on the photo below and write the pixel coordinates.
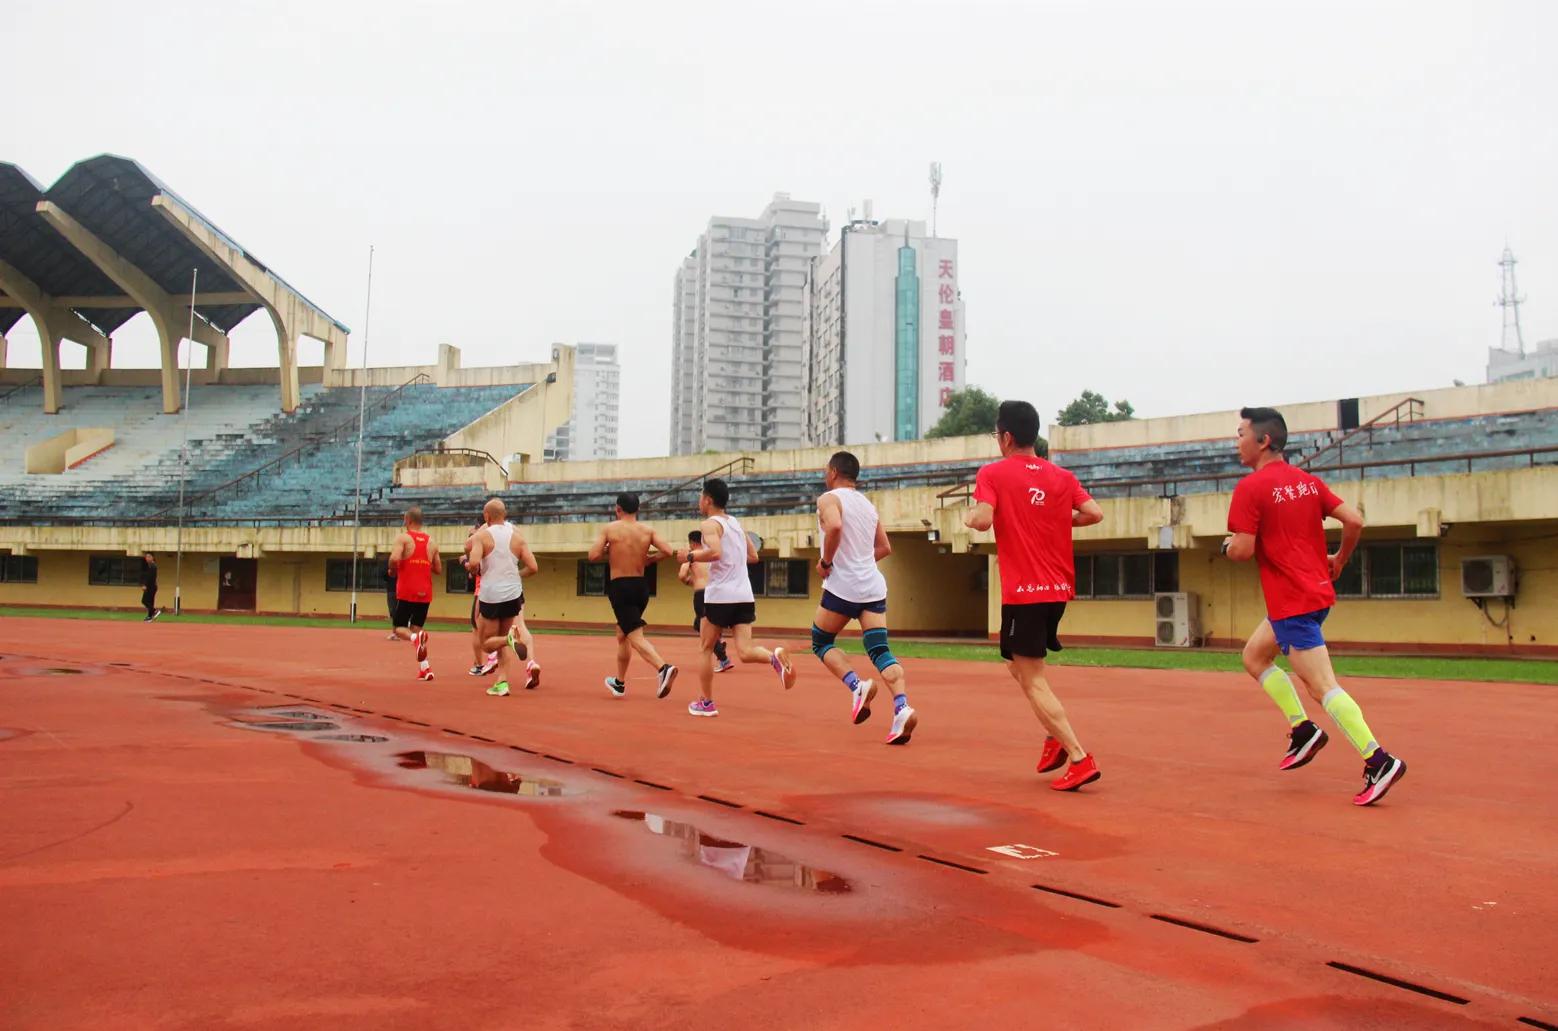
(62, 581)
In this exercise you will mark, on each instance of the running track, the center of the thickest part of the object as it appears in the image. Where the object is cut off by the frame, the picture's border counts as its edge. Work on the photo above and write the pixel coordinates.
(162, 867)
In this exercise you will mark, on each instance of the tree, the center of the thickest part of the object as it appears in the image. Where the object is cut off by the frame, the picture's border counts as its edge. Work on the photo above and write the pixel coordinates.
(1093, 407)
(970, 411)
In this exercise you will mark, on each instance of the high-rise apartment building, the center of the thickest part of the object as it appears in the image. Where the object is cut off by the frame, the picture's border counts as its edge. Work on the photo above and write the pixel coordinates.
(591, 429)
(884, 333)
(739, 367)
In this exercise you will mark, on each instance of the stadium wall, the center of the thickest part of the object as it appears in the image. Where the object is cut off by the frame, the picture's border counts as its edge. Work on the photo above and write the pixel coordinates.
(1443, 403)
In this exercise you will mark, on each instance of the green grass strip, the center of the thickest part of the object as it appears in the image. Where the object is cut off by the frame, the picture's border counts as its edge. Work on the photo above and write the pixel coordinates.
(1518, 671)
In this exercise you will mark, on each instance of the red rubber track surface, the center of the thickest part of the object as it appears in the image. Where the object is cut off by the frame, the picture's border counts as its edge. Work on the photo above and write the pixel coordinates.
(162, 866)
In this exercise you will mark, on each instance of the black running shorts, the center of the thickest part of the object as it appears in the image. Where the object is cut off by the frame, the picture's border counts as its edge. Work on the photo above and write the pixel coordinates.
(728, 614)
(1030, 630)
(410, 613)
(629, 597)
(501, 609)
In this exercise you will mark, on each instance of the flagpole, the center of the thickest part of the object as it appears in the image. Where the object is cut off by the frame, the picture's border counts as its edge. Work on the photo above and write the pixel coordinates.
(362, 405)
(189, 372)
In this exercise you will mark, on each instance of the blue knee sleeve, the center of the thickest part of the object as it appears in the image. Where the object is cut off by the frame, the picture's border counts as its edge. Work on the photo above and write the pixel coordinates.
(876, 647)
(821, 641)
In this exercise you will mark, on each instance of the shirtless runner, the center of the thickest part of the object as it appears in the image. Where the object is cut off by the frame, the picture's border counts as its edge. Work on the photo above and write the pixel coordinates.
(626, 545)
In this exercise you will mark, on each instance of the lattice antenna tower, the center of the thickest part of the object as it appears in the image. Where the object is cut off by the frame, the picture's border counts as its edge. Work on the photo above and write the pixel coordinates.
(935, 193)
(1510, 301)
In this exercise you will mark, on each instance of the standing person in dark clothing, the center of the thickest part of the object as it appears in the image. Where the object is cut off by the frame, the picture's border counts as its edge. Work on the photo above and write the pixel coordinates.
(149, 587)
(389, 596)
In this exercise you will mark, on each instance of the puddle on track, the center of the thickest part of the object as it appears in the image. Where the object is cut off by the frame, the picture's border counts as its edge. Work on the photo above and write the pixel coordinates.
(295, 726)
(738, 861)
(469, 772)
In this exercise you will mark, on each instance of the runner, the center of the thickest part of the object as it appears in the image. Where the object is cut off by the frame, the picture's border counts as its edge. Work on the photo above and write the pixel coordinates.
(149, 587)
(696, 576)
(485, 661)
(1277, 517)
(414, 559)
(1033, 505)
(500, 556)
(626, 545)
(728, 600)
(853, 542)
(390, 600)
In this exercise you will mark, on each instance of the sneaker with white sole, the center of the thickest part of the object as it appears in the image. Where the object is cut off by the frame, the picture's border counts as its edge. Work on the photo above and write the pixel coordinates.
(1381, 771)
(532, 676)
(618, 688)
(724, 666)
(781, 664)
(499, 690)
(488, 666)
(1304, 743)
(476, 671)
(667, 677)
(421, 640)
(424, 674)
(519, 646)
(703, 707)
(863, 692)
(904, 722)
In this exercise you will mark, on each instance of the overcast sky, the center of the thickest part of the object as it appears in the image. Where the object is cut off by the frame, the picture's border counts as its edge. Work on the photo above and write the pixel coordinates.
(1189, 205)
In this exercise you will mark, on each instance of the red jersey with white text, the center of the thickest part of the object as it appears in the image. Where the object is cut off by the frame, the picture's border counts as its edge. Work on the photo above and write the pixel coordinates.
(1033, 501)
(414, 578)
(1285, 509)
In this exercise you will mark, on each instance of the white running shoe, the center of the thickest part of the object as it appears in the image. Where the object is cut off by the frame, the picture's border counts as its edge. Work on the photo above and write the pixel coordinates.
(904, 722)
(617, 687)
(532, 675)
(488, 666)
(864, 691)
(667, 677)
(781, 664)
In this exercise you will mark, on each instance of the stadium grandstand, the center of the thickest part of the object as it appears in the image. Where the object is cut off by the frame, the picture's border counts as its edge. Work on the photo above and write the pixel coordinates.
(1458, 484)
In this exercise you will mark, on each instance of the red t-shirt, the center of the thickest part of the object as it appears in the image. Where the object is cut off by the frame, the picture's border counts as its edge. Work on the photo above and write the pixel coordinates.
(1285, 508)
(414, 578)
(1033, 501)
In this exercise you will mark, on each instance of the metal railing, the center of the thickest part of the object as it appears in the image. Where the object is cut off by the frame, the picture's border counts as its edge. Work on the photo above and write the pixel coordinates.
(1168, 486)
(742, 465)
(344, 430)
(470, 451)
(1394, 415)
(18, 388)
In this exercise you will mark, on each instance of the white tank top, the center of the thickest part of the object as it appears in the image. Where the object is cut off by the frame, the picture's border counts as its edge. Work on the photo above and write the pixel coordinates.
(854, 576)
(728, 580)
(499, 568)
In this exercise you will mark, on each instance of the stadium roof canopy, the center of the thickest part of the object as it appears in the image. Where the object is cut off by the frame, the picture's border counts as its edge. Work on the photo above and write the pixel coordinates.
(109, 240)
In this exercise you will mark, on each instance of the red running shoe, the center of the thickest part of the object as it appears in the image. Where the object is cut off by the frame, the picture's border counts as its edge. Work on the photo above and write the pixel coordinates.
(1053, 757)
(421, 645)
(1077, 774)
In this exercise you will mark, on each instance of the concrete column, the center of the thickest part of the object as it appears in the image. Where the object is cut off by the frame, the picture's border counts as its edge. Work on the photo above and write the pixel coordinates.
(55, 324)
(169, 316)
(293, 315)
(4, 346)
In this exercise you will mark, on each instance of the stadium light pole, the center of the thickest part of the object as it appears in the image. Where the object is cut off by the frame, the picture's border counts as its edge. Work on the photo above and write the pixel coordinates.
(189, 372)
(362, 405)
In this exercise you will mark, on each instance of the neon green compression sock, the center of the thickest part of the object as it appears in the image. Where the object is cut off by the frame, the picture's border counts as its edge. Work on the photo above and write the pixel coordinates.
(1349, 717)
(1277, 684)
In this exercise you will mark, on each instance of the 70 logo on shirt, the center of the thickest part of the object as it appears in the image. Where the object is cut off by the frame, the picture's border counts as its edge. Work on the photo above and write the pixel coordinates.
(1036, 496)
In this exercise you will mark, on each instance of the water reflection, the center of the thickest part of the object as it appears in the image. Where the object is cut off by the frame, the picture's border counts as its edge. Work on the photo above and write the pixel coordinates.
(473, 773)
(736, 860)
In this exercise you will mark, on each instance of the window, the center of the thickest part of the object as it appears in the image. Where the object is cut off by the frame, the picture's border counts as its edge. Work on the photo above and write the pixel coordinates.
(19, 569)
(114, 571)
(593, 576)
(1391, 571)
(1138, 574)
(780, 578)
(372, 574)
(457, 580)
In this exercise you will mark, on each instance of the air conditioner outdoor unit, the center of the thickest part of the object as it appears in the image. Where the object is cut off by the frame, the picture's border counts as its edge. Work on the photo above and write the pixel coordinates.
(1488, 576)
(1178, 619)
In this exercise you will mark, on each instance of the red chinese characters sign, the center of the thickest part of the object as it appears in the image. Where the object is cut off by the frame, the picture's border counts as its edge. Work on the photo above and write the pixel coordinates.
(946, 324)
